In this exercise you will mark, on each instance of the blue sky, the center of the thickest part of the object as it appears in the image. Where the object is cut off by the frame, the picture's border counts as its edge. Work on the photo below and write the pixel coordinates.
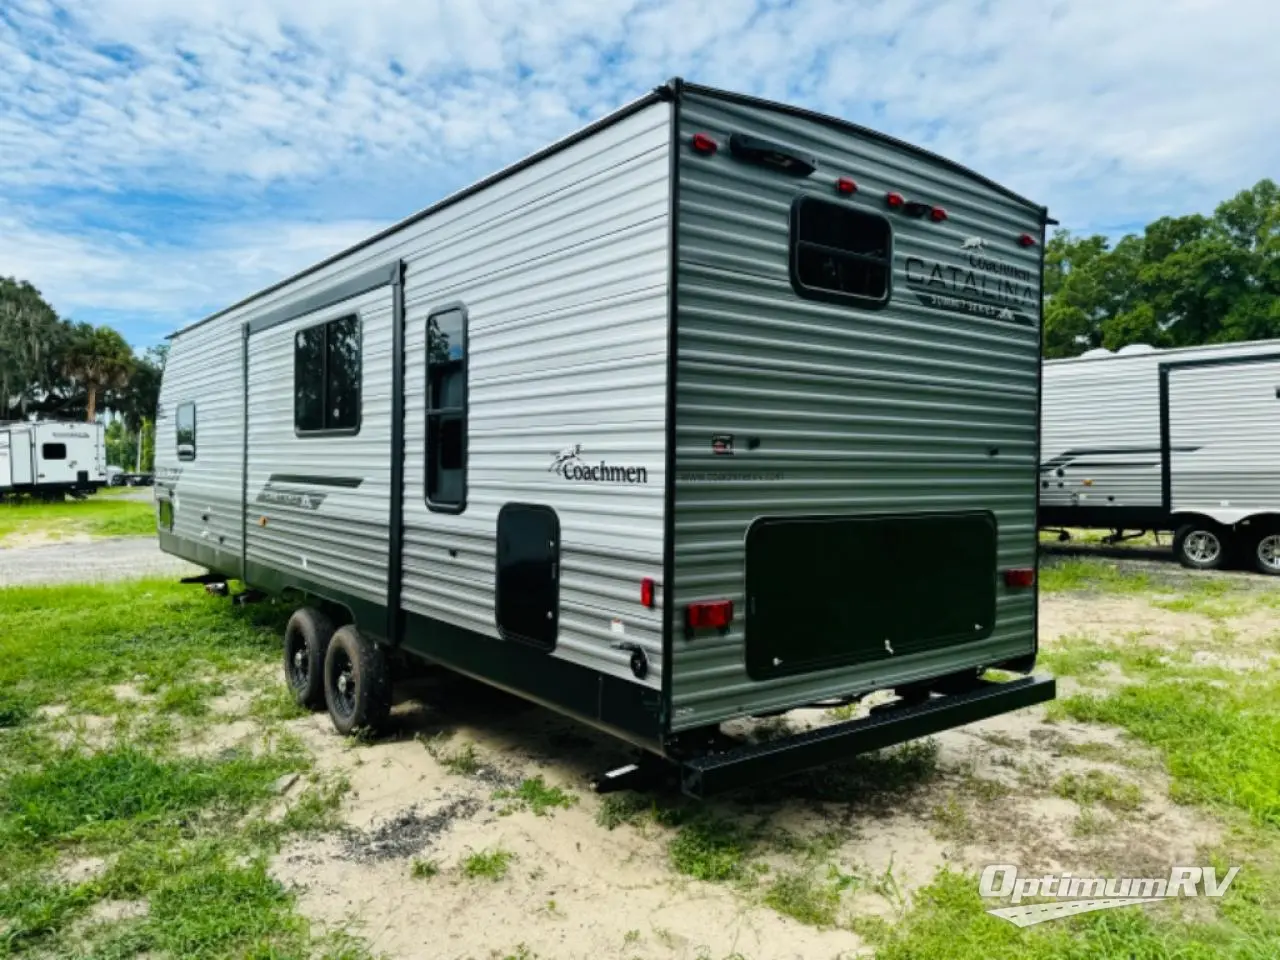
(160, 159)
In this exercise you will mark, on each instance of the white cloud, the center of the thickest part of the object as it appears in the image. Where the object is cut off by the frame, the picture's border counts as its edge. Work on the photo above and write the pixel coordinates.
(1111, 113)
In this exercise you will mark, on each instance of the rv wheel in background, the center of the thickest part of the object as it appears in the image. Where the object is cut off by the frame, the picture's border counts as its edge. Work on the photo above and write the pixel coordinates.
(1201, 545)
(306, 641)
(1266, 551)
(357, 682)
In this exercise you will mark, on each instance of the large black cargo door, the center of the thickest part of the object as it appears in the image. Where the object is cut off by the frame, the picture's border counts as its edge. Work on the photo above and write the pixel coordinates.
(825, 592)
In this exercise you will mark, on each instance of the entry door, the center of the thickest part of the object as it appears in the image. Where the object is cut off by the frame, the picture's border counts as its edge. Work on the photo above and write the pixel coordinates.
(61, 451)
(319, 448)
(20, 456)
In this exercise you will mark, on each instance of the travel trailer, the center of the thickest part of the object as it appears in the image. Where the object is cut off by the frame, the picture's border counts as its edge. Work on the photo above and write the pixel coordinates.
(1182, 440)
(716, 409)
(51, 458)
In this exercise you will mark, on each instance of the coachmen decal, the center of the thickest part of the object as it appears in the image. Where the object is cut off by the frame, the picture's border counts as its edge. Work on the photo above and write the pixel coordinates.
(569, 464)
(984, 288)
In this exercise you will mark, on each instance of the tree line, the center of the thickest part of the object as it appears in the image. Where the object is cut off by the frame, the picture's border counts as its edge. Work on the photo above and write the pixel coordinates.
(1185, 281)
(52, 368)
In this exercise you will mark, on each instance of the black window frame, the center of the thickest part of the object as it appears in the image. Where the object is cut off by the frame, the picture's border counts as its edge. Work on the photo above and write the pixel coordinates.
(44, 451)
(826, 294)
(324, 378)
(460, 505)
(177, 430)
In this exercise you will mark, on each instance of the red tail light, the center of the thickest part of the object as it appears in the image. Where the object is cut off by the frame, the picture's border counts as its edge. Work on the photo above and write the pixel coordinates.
(937, 214)
(1026, 240)
(895, 200)
(704, 144)
(709, 615)
(846, 186)
(646, 592)
(1020, 577)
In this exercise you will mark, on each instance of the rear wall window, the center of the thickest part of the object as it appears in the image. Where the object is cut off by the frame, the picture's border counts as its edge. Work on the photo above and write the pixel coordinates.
(840, 254)
(53, 451)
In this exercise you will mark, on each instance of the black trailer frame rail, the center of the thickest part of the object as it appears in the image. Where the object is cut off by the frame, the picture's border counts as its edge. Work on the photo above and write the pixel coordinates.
(753, 763)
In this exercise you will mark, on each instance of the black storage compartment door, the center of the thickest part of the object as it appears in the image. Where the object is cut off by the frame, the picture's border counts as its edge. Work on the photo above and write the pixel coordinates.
(825, 592)
(528, 574)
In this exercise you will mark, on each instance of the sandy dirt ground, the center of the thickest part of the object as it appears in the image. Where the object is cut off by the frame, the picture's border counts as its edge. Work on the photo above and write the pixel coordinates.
(392, 873)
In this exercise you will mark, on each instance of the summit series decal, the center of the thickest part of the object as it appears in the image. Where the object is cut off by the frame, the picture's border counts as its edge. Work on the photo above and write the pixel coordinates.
(981, 287)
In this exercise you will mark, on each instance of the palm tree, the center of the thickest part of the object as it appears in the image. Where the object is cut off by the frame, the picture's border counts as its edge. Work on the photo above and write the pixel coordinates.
(98, 359)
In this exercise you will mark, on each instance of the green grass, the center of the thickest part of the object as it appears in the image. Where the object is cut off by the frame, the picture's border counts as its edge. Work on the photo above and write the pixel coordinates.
(67, 643)
(462, 761)
(803, 897)
(1100, 787)
(123, 792)
(94, 517)
(1058, 575)
(424, 869)
(534, 794)
(947, 921)
(1221, 743)
(189, 835)
(710, 847)
(487, 864)
(623, 807)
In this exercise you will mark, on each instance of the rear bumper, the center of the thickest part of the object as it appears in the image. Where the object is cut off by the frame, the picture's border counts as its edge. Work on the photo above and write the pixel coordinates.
(714, 772)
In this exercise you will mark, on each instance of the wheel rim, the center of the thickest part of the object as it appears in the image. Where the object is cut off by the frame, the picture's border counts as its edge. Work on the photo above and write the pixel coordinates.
(343, 692)
(1269, 551)
(299, 663)
(1202, 546)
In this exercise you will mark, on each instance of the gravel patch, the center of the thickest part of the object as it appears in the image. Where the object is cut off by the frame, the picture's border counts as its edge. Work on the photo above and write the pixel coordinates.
(116, 558)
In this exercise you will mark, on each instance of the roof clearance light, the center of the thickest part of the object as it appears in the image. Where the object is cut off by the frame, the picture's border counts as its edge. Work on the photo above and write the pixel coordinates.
(709, 615)
(704, 144)
(646, 592)
(1020, 577)
(895, 200)
(1026, 240)
(846, 186)
(937, 214)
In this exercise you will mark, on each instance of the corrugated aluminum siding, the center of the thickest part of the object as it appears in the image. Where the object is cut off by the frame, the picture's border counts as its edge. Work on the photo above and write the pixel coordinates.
(862, 411)
(563, 270)
(1232, 416)
(1101, 424)
(204, 368)
(343, 543)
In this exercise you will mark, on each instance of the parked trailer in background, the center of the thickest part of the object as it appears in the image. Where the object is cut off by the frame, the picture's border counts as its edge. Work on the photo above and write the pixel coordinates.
(1183, 440)
(663, 426)
(52, 458)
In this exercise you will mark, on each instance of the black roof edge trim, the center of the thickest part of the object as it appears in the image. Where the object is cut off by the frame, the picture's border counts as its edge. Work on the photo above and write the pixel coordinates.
(622, 113)
(805, 114)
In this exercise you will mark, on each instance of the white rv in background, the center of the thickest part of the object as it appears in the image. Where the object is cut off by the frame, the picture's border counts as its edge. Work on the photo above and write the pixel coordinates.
(52, 458)
(1184, 440)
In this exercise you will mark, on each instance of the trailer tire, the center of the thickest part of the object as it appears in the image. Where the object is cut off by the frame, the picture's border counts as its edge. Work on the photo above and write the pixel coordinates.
(357, 682)
(306, 641)
(1201, 546)
(1265, 551)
